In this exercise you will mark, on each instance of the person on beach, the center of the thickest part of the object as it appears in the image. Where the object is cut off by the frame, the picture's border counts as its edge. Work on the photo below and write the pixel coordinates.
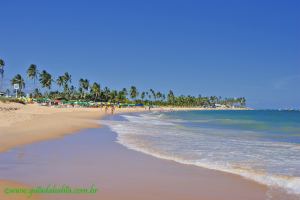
(112, 109)
(106, 109)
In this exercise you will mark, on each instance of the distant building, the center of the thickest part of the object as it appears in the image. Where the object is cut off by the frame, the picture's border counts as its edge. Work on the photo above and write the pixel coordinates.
(236, 105)
(220, 105)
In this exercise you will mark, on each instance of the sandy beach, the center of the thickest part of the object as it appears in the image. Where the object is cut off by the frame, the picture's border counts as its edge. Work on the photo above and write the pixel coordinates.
(22, 124)
(124, 173)
(150, 100)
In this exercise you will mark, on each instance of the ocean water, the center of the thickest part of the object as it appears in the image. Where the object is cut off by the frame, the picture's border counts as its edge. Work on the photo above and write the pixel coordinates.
(260, 145)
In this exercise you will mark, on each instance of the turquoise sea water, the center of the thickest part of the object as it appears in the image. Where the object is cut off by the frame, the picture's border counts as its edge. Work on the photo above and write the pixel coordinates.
(262, 145)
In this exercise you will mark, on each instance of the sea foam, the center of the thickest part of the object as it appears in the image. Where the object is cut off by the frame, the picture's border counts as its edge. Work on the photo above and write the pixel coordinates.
(245, 153)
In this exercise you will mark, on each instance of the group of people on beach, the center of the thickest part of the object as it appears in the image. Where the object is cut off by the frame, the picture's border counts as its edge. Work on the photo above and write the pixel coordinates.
(112, 109)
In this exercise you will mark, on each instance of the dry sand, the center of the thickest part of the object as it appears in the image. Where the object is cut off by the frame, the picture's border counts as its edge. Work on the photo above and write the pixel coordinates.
(24, 124)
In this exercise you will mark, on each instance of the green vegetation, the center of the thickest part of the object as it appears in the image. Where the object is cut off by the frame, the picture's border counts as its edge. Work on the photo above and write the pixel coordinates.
(14, 100)
(44, 81)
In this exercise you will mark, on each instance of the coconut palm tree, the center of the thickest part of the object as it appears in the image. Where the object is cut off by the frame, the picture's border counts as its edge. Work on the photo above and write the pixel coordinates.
(2, 64)
(72, 91)
(45, 79)
(81, 93)
(84, 84)
(106, 94)
(18, 79)
(241, 101)
(113, 95)
(133, 92)
(124, 90)
(64, 81)
(158, 95)
(163, 97)
(68, 78)
(67, 81)
(32, 72)
(153, 94)
(121, 96)
(60, 81)
(147, 94)
(171, 97)
(143, 96)
(36, 93)
(96, 90)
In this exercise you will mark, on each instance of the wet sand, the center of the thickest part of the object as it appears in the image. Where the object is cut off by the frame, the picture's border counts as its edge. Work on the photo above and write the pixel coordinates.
(93, 157)
(4, 184)
(25, 124)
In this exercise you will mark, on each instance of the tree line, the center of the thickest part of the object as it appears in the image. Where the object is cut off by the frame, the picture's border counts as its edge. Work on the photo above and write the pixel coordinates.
(43, 82)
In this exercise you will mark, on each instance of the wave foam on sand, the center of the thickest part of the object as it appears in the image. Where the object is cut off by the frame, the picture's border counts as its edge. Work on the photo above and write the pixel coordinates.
(141, 132)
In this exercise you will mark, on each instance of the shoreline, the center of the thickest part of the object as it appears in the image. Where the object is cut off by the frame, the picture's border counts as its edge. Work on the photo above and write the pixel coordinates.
(55, 123)
(121, 173)
(27, 121)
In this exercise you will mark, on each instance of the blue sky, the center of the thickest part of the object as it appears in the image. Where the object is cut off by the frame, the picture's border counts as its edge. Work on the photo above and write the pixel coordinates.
(223, 48)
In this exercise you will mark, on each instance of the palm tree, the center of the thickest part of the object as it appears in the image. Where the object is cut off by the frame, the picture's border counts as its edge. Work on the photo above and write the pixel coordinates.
(143, 96)
(72, 91)
(67, 80)
(171, 97)
(96, 90)
(106, 94)
(113, 95)
(36, 93)
(45, 79)
(163, 97)
(121, 96)
(133, 92)
(241, 101)
(32, 72)
(124, 90)
(63, 81)
(18, 79)
(84, 84)
(81, 92)
(158, 95)
(147, 94)
(2, 64)
(213, 100)
(60, 81)
(153, 94)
